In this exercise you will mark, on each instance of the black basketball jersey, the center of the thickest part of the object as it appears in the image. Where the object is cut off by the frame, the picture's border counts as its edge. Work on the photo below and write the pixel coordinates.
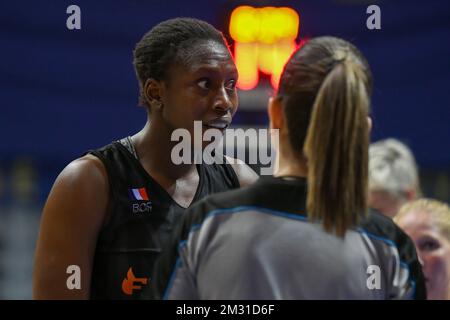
(141, 217)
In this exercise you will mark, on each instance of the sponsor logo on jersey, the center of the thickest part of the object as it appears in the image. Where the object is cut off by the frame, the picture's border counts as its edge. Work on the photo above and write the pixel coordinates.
(140, 195)
(142, 207)
(131, 283)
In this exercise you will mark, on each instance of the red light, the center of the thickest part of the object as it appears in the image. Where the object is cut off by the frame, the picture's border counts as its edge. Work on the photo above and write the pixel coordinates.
(264, 40)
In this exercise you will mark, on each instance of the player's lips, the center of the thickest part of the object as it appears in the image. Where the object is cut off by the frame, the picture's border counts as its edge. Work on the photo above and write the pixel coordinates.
(219, 123)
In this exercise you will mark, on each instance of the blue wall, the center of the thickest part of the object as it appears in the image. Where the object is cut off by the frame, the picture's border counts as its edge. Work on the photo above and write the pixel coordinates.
(63, 92)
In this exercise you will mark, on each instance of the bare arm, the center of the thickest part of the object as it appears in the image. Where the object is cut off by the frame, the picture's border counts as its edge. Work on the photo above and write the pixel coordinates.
(72, 217)
(245, 174)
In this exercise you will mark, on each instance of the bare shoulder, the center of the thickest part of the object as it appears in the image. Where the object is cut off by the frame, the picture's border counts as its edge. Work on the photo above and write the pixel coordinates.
(73, 215)
(85, 170)
(245, 174)
(82, 187)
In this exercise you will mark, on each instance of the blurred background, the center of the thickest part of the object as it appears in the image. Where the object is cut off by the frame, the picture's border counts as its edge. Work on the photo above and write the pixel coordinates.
(63, 92)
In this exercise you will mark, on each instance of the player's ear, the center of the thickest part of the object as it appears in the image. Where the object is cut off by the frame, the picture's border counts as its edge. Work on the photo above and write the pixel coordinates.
(152, 92)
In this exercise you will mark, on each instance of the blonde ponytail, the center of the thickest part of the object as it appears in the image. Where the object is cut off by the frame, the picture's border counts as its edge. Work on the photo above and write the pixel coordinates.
(336, 148)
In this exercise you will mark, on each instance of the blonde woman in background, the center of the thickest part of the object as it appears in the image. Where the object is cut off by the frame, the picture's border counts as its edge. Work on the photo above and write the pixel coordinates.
(393, 176)
(427, 222)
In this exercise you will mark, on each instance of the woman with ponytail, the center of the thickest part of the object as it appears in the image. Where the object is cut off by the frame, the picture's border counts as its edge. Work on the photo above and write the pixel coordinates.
(306, 232)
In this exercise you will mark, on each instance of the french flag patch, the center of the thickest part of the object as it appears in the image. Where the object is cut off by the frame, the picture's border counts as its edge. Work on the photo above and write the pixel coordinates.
(138, 194)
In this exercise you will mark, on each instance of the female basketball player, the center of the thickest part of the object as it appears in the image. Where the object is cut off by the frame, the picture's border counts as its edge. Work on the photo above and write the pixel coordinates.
(304, 233)
(110, 211)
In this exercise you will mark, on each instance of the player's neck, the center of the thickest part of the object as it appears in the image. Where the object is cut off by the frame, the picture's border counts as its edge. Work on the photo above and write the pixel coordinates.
(154, 149)
(289, 163)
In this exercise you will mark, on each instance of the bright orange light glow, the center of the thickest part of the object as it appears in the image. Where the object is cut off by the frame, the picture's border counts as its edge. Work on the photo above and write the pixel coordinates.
(247, 65)
(244, 24)
(264, 40)
(265, 57)
(282, 53)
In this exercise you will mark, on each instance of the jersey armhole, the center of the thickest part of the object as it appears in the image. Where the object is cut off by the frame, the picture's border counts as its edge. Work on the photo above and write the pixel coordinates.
(229, 168)
(112, 193)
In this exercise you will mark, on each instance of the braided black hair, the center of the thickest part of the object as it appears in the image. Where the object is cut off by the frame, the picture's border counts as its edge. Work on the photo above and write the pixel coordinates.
(165, 43)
